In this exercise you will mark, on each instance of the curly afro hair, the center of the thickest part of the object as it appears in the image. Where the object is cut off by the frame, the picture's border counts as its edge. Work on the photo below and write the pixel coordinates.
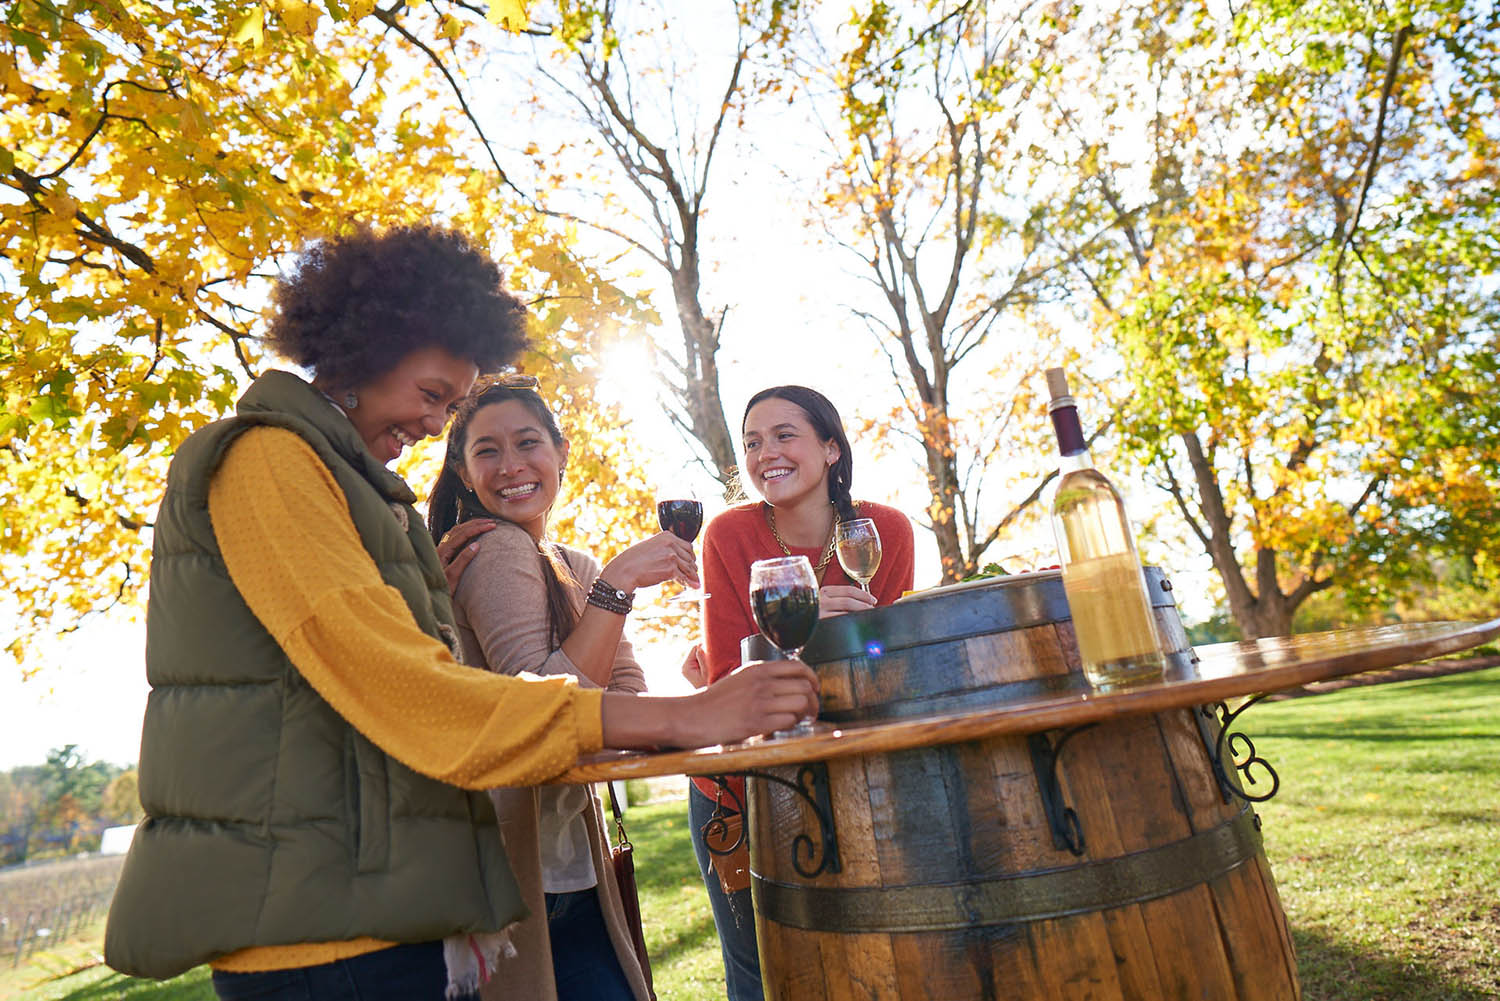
(355, 306)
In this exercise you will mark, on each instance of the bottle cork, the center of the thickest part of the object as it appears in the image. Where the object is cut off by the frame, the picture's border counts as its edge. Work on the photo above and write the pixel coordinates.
(1057, 388)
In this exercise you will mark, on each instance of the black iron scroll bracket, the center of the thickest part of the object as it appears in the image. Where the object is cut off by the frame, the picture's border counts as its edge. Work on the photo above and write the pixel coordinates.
(1067, 834)
(812, 786)
(1215, 727)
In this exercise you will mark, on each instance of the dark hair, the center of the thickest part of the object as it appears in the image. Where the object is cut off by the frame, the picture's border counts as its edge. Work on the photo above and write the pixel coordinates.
(828, 426)
(356, 305)
(451, 502)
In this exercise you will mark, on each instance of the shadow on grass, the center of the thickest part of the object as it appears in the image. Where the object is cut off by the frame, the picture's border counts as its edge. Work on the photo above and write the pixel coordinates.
(191, 986)
(1332, 970)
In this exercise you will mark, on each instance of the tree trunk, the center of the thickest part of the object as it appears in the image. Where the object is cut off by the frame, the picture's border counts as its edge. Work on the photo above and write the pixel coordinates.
(942, 484)
(1264, 611)
(698, 396)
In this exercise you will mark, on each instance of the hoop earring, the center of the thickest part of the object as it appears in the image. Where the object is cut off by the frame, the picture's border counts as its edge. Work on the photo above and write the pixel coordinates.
(351, 400)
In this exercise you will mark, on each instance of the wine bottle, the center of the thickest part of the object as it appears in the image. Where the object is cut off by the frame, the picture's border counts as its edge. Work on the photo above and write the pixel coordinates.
(1117, 638)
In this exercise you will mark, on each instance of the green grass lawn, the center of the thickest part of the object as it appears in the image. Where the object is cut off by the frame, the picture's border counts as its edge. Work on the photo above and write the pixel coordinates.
(1385, 836)
(1385, 841)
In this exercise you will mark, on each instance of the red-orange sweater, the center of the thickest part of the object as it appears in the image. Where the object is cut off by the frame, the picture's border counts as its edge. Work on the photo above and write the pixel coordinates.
(740, 536)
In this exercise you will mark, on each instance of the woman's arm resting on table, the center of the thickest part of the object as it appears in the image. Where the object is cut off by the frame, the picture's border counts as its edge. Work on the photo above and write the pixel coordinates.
(284, 530)
(755, 699)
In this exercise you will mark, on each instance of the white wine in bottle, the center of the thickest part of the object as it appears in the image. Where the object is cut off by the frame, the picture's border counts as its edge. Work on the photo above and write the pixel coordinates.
(1117, 637)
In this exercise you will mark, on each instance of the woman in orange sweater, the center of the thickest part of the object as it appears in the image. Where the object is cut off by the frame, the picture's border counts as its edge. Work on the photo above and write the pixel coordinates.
(797, 458)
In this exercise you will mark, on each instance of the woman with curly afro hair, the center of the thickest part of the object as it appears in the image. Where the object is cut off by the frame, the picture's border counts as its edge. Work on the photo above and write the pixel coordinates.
(313, 752)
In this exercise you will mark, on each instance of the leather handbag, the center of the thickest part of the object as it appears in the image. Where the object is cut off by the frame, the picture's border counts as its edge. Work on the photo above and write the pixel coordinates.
(623, 862)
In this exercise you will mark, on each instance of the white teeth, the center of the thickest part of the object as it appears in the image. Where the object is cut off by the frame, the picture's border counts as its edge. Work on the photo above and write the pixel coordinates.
(510, 492)
(402, 436)
(775, 474)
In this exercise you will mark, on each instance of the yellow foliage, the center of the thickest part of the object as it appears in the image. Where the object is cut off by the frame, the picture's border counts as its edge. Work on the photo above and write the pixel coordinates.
(140, 248)
(250, 29)
(509, 14)
(299, 16)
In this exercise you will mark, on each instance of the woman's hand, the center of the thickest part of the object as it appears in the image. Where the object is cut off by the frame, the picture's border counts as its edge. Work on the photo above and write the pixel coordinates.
(837, 599)
(758, 698)
(695, 667)
(662, 557)
(457, 548)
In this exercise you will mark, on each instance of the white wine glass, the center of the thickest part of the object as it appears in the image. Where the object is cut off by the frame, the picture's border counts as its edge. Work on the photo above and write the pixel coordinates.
(858, 544)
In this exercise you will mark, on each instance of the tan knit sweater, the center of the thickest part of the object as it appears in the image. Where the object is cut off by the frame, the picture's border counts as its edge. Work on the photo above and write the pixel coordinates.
(500, 608)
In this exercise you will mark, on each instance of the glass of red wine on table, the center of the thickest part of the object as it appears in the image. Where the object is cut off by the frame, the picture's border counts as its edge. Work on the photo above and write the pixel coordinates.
(681, 513)
(784, 599)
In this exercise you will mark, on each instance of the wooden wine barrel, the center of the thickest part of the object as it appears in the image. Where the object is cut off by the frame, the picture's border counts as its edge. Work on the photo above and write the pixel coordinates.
(951, 883)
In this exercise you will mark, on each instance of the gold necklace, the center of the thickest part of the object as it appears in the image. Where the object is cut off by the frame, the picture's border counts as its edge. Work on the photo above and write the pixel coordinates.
(827, 553)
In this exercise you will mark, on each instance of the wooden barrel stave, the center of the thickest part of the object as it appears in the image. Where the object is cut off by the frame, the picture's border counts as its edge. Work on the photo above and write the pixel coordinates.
(1128, 936)
(1256, 934)
(969, 816)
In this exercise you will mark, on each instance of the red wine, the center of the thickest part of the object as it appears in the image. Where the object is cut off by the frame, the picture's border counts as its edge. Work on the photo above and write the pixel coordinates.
(786, 613)
(683, 518)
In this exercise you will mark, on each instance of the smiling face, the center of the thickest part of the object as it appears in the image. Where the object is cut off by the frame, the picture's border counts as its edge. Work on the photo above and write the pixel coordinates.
(785, 460)
(411, 401)
(513, 465)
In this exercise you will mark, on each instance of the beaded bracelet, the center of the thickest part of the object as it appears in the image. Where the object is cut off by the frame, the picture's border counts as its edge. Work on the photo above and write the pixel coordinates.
(610, 598)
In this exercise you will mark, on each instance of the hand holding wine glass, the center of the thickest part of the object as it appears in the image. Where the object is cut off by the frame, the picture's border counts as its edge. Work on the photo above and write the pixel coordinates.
(681, 513)
(858, 545)
(784, 599)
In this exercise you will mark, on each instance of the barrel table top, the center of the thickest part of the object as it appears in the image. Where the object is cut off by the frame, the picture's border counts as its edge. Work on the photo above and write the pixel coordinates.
(1221, 671)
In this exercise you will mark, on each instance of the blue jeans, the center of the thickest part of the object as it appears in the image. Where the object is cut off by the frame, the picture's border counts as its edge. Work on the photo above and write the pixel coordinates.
(584, 963)
(734, 914)
(399, 973)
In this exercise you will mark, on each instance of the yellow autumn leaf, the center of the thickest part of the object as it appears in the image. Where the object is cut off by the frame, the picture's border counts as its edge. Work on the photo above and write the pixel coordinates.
(509, 14)
(251, 28)
(299, 16)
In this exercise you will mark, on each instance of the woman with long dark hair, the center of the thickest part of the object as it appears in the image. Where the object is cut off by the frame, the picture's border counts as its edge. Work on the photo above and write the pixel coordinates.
(797, 458)
(527, 603)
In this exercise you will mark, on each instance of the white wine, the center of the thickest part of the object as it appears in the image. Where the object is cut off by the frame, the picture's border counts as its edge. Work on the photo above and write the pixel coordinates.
(858, 543)
(1117, 638)
(860, 557)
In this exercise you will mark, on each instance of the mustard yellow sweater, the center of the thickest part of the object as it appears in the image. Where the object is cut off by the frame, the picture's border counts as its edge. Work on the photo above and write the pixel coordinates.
(293, 553)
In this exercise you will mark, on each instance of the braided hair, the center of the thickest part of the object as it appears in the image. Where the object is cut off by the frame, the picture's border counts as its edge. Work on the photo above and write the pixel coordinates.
(451, 502)
(829, 427)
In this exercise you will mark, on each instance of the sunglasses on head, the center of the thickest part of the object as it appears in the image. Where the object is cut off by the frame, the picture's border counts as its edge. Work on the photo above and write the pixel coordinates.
(517, 380)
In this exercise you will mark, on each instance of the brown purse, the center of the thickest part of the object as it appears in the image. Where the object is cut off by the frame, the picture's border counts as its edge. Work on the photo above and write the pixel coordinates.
(728, 849)
(623, 862)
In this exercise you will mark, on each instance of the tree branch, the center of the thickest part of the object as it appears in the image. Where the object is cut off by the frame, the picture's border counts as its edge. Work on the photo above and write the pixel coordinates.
(1385, 96)
(104, 116)
(388, 18)
(235, 335)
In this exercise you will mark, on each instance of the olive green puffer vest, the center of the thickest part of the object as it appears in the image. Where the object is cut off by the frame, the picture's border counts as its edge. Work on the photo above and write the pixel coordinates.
(269, 819)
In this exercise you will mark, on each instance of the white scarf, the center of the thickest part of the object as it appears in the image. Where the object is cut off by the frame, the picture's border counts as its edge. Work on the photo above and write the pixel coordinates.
(471, 960)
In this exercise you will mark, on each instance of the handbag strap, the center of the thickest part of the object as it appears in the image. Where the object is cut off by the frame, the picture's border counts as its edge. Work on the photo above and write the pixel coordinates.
(623, 840)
